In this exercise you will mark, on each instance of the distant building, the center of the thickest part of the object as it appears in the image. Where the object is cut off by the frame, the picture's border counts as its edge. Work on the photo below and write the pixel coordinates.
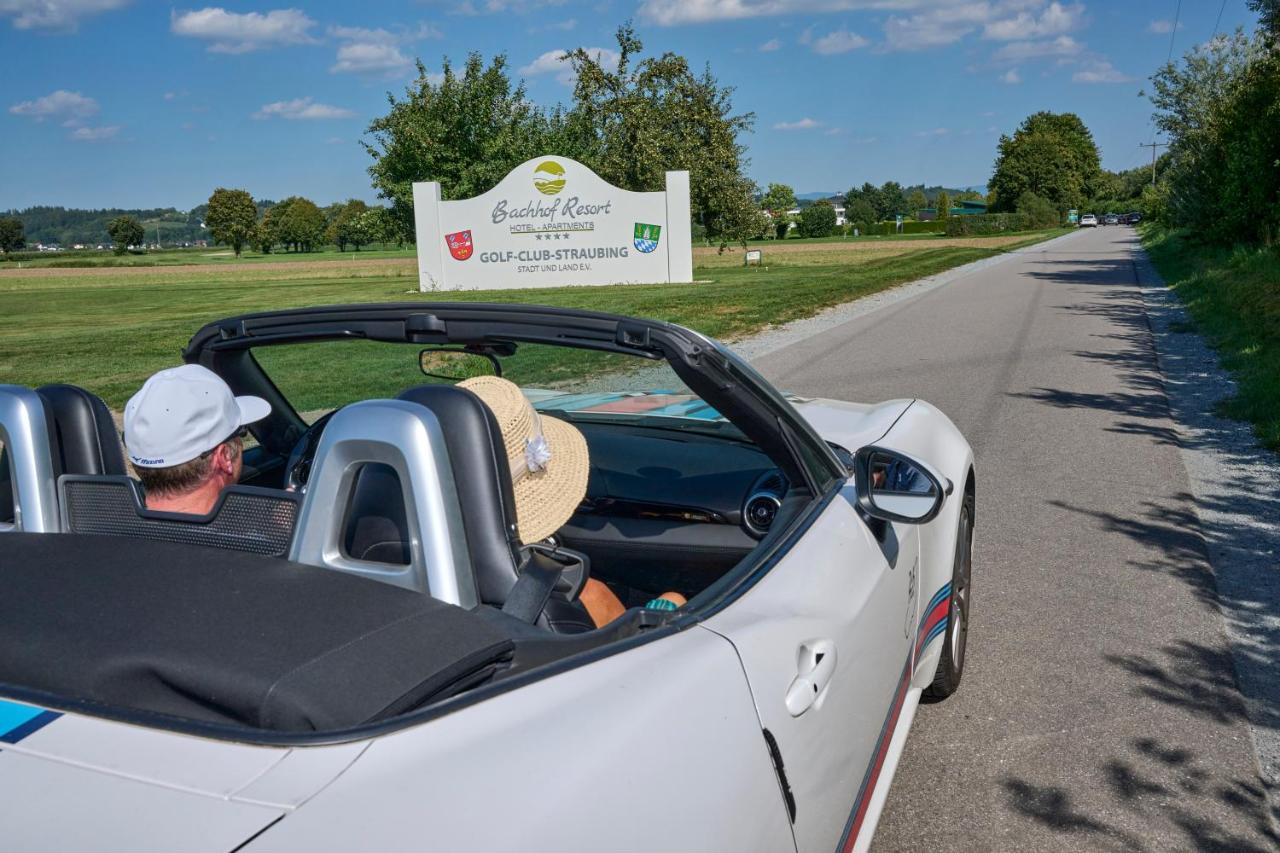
(968, 207)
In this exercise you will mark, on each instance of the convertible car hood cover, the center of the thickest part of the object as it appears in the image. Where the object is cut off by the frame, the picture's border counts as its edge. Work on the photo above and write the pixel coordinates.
(77, 783)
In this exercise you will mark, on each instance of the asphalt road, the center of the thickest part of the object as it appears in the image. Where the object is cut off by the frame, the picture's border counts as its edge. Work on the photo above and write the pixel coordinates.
(1100, 707)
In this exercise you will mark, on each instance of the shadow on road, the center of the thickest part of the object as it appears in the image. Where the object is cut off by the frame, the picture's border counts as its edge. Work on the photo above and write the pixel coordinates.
(1152, 781)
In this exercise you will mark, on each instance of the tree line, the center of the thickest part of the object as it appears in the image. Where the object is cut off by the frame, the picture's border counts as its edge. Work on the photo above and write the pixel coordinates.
(1219, 107)
(297, 224)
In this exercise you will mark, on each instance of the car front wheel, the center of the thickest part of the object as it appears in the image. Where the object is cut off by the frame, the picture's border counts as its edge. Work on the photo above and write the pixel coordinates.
(951, 664)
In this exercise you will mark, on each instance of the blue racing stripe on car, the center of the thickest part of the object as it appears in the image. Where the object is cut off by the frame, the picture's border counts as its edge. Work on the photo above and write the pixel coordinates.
(17, 720)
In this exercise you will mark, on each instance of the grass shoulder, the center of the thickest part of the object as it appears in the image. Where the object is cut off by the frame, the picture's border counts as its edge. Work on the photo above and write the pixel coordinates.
(1233, 298)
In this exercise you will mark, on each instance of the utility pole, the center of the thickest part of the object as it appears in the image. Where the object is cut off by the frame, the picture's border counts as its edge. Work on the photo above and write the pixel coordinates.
(1153, 146)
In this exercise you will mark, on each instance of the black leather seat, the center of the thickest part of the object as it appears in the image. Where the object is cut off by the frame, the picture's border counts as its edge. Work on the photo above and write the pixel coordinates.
(82, 439)
(483, 482)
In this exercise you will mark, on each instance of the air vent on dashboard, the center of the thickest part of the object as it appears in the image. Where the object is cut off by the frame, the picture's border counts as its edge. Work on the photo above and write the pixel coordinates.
(759, 512)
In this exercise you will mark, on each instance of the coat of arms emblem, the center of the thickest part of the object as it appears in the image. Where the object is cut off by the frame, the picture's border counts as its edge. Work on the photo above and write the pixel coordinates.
(646, 236)
(460, 245)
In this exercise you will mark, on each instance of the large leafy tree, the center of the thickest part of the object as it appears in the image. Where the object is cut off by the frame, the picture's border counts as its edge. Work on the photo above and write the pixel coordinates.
(125, 231)
(634, 122)
(297, 223)
(817, 220)
(12, 237)
(1052, 155)
(231, 217)
(467, 132)
(346, 224)
(893, 200)
(916, 200)
(778, 199)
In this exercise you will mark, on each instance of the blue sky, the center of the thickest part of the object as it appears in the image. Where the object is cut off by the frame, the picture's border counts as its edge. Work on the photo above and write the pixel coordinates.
(130, 103)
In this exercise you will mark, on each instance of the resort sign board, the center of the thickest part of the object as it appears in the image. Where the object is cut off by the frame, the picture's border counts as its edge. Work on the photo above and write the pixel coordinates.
(551, 222)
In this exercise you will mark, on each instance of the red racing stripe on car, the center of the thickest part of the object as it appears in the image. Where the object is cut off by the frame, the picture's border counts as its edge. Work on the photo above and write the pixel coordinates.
(873, 771)
(936, 616)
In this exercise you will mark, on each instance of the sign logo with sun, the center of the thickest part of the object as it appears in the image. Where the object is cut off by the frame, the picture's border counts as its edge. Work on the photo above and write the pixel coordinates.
(548, 178)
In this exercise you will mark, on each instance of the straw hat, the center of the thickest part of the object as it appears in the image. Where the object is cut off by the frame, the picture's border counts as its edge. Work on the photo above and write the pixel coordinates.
(548, 458)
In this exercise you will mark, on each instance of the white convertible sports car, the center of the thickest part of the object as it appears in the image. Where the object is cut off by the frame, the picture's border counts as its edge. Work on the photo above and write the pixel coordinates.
(353, 651)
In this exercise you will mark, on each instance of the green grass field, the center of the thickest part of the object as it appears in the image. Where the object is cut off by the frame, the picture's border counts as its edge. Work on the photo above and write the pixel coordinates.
(109, 329)
(1233, 297)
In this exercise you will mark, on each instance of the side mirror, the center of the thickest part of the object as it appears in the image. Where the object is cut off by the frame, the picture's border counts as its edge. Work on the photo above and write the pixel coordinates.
(894, 487)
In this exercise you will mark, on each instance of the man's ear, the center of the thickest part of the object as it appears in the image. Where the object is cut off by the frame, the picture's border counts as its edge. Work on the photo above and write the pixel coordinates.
(224, 460)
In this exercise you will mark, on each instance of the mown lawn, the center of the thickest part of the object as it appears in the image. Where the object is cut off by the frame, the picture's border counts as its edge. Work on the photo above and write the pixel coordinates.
(108, 333)
(1233, 297)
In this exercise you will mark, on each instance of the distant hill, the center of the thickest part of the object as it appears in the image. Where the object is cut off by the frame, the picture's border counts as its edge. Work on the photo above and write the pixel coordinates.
(67, 226)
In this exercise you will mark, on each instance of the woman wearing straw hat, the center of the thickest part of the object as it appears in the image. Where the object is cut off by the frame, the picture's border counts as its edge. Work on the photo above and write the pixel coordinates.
(549, 464)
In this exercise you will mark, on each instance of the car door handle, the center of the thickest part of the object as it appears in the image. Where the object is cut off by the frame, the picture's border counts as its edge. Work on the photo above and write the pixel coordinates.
(816, 664)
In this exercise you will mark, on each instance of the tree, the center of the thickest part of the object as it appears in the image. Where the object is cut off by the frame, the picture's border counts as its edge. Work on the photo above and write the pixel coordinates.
(231, 217)
(892, 200)
(125, 231)
(467, 132)
(778, 199)
(819, 220)
(11, 234)
(345, 224)
(860, 214)
(634, 122)
(1039, 212)
(1052, 155)
(297, 223)
(943, 205)
(916, 201)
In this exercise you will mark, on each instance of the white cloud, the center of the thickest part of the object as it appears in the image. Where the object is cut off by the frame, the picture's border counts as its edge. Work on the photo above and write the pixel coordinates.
(367, 58)
(937, 131)
(554, 62)
(1102, 72)
(1021, 51)
(56, 15)
(376, 51)
(943, 24)
(1054, 20)
(1162, 28)
(803, 124)
(94, 134)
(71, 108)
(232, 32)
(301, 108)
(770, 46)
(672, 12)
(1011, 77)
(840, 41)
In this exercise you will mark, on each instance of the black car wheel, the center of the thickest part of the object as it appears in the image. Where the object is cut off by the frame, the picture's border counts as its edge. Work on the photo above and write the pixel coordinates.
(951, 665)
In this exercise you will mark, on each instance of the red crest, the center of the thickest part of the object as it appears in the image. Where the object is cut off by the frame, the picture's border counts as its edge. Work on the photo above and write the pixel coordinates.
(460, 244)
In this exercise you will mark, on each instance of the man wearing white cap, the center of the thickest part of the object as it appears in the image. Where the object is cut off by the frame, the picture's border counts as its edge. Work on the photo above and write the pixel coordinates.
(183, 433)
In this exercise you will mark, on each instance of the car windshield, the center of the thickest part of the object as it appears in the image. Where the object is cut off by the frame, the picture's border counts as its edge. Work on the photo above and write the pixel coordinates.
(319, 377)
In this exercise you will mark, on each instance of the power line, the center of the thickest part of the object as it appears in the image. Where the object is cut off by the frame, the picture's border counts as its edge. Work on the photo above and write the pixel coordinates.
(1219, 21)
(1174, 32)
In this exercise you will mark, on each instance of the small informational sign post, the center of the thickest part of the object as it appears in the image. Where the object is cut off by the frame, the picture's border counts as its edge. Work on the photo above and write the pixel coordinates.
(898, 223)
(754, 258)
(1073, 216)
(550, 222)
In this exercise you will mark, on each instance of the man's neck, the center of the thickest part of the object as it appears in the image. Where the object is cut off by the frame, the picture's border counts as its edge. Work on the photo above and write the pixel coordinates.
(199, 501)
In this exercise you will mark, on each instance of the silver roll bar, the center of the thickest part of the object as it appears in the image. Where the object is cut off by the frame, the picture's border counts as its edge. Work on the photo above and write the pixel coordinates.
(24, 431)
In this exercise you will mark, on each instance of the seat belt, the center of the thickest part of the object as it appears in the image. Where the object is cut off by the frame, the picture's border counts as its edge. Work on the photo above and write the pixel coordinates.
(528, 598)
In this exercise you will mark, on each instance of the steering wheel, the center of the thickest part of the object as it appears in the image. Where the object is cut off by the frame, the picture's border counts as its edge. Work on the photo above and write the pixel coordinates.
(297, 470)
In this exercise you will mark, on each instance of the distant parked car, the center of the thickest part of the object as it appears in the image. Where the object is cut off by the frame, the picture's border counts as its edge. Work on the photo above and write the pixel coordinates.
(1088, 221)
(1111, 219)
(1133, 218)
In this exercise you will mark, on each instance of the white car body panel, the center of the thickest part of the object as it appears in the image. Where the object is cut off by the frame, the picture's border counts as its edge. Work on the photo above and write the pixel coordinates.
(835, 586)
(655, 747)
(851, 425)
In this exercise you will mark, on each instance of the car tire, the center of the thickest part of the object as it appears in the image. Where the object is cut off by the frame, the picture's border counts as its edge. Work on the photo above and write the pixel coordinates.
(955, 639)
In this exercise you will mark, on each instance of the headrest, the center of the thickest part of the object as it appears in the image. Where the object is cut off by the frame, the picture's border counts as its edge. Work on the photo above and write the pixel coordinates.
(85, 440)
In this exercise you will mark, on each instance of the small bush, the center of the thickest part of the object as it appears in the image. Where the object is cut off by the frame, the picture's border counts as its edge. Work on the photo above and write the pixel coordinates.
(818, 220)
(1038, 211)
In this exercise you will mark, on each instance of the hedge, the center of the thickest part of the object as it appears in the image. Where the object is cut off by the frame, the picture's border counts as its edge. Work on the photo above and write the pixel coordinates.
(889, 229)
(989, 223)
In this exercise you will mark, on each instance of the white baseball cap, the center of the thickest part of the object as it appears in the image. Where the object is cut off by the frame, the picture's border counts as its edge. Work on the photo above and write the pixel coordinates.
(183, 412)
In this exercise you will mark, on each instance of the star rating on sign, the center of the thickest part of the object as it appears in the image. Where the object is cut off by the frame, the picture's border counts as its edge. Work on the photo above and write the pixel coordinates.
(553, 236)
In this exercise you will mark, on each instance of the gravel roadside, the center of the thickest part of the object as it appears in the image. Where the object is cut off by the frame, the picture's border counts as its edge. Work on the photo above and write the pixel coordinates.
(1236, 491)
